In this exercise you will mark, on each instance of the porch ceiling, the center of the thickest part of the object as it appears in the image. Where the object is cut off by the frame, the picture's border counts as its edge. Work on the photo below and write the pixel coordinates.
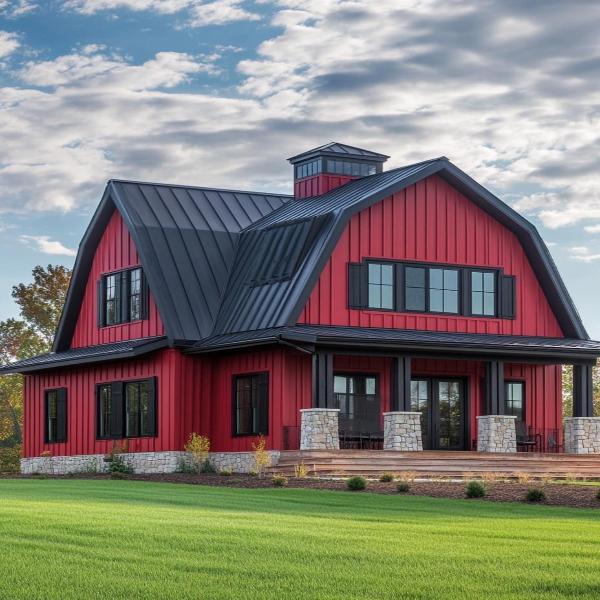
(467, 345)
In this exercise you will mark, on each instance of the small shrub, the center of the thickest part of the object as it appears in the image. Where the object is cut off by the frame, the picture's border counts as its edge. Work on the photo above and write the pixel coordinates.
(116, 464)
(598, 495)
(403, 487)
(386, 477)
(279, 480)
(300, 470)
(535, 495)
(571, 477)
(118, 475)
(491, 476)
(10, 459)
(46, 454)
(523, 478)
(262, 457)
(227, 472)
(468, 475)
(207, 467)
(185, 466)
(475, 489)
(544, 478)
(356, 483)
(198, 448)
(253, 473)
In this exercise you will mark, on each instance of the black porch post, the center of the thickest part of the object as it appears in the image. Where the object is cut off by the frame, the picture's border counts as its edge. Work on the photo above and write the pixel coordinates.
(322, 374)
(401, 383)
(583, 392)
(494, 388)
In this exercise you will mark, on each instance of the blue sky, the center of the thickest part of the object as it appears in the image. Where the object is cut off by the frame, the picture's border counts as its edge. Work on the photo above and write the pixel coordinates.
(220, 92)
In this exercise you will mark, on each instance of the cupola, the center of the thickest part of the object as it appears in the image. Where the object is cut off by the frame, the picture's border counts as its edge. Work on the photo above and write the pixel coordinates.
(322, 169)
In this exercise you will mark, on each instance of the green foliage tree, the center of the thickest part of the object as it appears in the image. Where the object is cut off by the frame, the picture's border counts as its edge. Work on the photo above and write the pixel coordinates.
(567, 390)
(40, 304)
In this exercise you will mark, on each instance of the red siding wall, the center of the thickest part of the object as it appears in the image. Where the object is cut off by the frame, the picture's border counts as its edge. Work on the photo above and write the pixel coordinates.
(432, 222)
(81, 405)
(319, 184)
(115, 251)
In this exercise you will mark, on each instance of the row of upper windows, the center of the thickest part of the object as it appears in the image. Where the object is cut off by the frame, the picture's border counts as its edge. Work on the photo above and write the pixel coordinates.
(338, 167)
(431, 288)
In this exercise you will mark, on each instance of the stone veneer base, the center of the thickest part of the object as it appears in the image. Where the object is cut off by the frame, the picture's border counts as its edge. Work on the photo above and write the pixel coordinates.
(146, 463)
(496, 433)
(402, 431)
(582, 435)
(319, 429)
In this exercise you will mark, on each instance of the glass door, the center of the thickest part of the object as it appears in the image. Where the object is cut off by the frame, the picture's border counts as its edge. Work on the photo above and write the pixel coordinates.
(441, 403)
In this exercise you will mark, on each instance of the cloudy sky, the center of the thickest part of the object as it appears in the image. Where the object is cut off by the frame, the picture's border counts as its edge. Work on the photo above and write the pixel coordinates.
(220, 92)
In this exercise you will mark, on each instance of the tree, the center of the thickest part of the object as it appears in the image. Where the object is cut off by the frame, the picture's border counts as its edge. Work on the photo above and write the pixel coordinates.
(567, 390)
(40, 304)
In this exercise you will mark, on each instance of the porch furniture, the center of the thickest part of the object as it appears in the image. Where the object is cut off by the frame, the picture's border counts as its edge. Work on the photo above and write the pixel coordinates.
(527, 440)
(553, 442)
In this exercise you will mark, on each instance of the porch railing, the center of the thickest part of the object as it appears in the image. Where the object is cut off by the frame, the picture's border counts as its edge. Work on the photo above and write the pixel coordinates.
(359, 421)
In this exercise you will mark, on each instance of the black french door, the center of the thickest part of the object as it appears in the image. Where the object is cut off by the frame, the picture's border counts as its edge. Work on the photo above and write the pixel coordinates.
(442, 404)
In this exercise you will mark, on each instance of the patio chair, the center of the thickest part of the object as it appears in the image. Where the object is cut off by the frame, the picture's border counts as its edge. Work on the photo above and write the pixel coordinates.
(553, 442)
(526, 439)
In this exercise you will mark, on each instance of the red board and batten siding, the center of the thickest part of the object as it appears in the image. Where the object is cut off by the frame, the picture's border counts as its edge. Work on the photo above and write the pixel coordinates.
(319, 184)
(115, 251)
(430, 222)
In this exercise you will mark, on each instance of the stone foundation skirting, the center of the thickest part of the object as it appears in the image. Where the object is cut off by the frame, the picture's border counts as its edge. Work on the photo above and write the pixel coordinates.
(402, 431)
(141, 462)
(319, 429)
(496, 433)
(582, 435)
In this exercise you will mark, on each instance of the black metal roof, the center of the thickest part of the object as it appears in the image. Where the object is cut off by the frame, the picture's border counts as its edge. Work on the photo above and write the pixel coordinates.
(397, 340)
(339, 151)
(186, 238)
(205, 251)
(89, 354)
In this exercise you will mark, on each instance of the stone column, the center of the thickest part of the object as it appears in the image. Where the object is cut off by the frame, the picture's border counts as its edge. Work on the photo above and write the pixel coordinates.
(402, 431)
(319, 429)
(496, 433)
(582, 435)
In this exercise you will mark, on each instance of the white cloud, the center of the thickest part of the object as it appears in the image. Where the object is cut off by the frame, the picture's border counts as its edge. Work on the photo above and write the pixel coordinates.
(198, 12)
(9, 42)
(592, 228)
(17, 8)
(45, 245)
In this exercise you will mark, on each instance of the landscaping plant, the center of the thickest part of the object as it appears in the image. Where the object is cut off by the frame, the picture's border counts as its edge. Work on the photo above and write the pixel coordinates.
(198, 448)
(356, 483)
(535, 495)
(403, 487)
(475, 489)
(262, 458)
(300, 470)
(279, 480)
(386, 477)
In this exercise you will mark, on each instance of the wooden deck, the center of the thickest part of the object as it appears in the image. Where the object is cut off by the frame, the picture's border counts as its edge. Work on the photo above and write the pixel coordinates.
(429, 463)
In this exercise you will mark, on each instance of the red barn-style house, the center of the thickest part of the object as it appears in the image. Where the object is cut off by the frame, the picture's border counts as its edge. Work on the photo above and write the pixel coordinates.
(406, 309)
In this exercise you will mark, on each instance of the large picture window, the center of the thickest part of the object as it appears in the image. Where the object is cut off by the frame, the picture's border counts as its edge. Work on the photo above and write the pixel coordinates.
(55, 409)
(122, 297)
(126, 409)
(251, 404)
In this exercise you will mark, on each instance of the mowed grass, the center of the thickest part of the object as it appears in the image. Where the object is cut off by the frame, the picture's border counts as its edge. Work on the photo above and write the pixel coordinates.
(125, 539)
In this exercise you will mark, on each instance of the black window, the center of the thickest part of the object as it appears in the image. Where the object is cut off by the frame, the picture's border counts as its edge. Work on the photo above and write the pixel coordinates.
(55, 410)
(443, 290)
(122, 297)
(126, 409)
(251, 404)
(415, 291)
(381, 285)
(483, 293)
(514, 401)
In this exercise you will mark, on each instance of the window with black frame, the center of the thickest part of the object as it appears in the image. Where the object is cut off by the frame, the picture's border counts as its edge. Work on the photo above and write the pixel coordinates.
(514, 400)
(251, 404)
(483, 293)
(381, 285)
(55, 408)
(443, 290)
(122, 297)
(126, 409)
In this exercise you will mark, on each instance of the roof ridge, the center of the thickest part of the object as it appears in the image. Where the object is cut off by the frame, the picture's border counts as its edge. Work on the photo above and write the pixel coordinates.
(198, 187)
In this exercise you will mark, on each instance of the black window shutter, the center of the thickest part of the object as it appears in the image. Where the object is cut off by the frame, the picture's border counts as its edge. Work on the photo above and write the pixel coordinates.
(399, 286)
(144, 298)
(101, 311)
(357, 285)
(123, 283)
(152, 407)
(116, 425)
(508, 296)
(263, 403)
(61, 415)
(465, 288)
(46, 412)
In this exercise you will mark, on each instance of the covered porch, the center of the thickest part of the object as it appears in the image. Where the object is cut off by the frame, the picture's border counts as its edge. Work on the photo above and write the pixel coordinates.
(489, 394)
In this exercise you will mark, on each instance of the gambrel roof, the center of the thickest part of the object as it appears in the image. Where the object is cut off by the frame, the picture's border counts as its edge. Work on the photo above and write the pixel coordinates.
(222, 261)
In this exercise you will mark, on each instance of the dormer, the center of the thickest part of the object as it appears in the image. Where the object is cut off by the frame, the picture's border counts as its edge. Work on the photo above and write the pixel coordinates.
(322, 169)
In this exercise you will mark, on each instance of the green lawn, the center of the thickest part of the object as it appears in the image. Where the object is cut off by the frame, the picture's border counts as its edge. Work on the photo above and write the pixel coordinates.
(123, 539)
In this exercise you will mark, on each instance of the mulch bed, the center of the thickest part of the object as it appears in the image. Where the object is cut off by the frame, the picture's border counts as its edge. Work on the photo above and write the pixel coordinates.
(573, 496)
